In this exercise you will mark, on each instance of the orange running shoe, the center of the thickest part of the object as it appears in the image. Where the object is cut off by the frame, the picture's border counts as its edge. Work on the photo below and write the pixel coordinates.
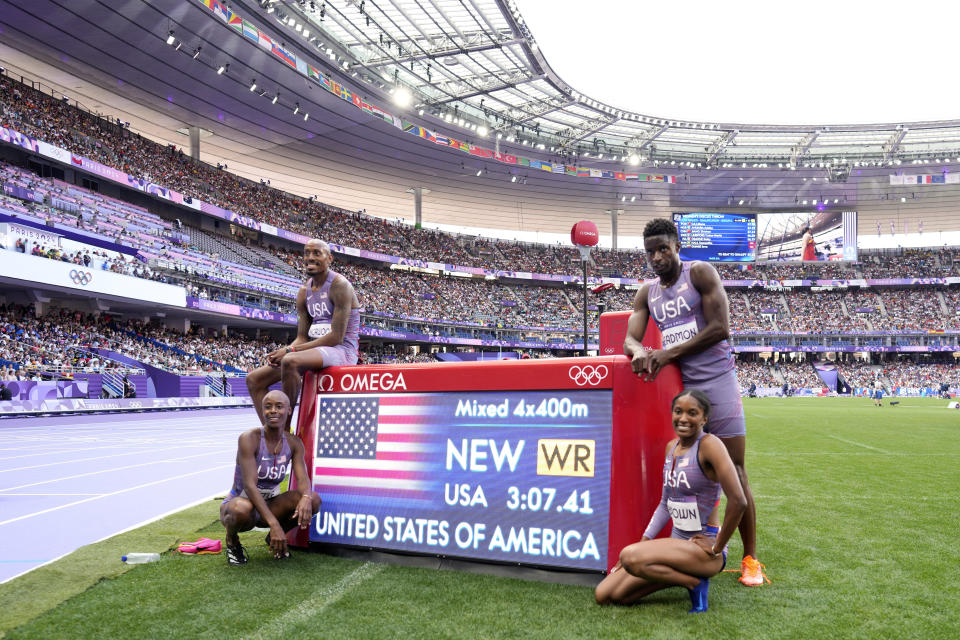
(752, 570)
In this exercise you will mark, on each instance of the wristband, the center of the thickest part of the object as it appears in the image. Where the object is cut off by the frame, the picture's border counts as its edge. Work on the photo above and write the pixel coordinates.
(291, 349)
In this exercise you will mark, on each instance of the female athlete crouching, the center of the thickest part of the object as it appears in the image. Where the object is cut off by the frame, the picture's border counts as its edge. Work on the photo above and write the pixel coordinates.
(697, 465)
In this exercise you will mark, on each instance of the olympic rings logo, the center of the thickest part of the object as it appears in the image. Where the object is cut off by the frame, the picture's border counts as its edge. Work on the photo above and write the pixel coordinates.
(588, 374)
(83, 278)
(325, 383)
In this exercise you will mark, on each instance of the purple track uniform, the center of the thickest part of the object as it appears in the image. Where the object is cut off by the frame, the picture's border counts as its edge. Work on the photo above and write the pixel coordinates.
(688, 498)
(678, 312)
(272, 470)
(320, 307)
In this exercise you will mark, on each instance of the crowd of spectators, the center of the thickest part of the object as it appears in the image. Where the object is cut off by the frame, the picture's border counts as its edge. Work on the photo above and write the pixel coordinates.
(66, 340)
(755, 372)
(799, 374)
(908, 309)
(910, 263)
(911, 375)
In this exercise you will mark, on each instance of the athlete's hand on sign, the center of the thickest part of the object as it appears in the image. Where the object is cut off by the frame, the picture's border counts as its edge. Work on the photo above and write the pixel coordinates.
(278, 542)
(647, 364)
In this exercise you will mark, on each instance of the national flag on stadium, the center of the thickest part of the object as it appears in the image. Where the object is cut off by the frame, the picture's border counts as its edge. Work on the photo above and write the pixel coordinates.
(302, 66)
(595, 173)
(535, 164)
(376, 447)
(505, 157)
(583, 173)
(251, 31)
(284, 55)
(607, 174)
(480, 151)
(235, 21)
(619, 175)
(546, 166)
(559, 168)
(631, 176)
(442, 139)
(265, 41)
(524, 162)
(570, 170)
(313, 73)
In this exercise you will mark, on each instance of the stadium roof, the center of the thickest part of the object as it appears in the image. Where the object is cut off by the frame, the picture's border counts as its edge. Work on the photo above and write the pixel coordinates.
(475, 63)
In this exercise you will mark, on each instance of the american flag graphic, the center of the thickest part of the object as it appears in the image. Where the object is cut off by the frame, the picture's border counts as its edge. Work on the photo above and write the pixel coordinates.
(376, 447)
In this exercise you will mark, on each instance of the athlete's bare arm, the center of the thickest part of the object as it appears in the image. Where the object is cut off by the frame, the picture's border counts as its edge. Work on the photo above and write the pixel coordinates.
(303, 328)
(304, 511)
(719, 467)
(636, 328)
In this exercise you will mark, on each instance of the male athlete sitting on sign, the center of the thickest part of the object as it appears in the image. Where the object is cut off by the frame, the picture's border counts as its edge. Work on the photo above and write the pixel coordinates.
(258, 496)
(328, 329)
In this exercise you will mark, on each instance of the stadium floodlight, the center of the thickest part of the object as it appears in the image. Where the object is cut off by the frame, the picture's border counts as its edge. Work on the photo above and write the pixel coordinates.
(298, 27)
(420, 112)
(196, 53)
(253, 85)
(479, 171)
(482, 131)
(306, 33)
(499, 136)
(402, 97)
(633, 199)
(170, 38)
(513, 178)
(305, 116)
(741, 203)
(275, 98)
(296, 109)
(634, 159)
(623, 198)
(223, 69)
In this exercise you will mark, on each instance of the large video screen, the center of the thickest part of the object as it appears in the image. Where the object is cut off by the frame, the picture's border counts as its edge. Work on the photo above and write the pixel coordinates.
(717, 237)
(509, 476)
(807, 236)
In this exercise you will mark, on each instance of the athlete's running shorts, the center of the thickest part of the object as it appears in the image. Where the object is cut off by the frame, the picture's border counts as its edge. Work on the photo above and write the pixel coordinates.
(338, 355)
(726, 407)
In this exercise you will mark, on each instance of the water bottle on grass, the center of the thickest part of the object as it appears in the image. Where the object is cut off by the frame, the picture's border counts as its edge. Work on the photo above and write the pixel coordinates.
(140, 558)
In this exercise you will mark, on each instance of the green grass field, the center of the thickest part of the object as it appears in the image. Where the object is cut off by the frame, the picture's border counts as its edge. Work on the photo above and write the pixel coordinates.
(849, 528)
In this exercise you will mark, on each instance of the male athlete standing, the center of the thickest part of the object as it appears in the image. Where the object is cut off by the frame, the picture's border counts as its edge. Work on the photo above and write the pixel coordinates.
(690, 307)
(328, 330)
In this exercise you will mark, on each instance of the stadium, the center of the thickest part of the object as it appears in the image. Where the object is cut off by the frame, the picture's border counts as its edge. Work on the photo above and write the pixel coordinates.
(164, 166)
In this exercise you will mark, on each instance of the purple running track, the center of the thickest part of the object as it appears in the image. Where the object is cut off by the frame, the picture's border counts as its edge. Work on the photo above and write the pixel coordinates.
(68, 481)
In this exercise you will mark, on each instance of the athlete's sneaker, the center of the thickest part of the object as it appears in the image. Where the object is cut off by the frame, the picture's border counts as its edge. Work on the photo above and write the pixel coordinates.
(698, 596)
(203, 546)
(752, 570)
(236, 556)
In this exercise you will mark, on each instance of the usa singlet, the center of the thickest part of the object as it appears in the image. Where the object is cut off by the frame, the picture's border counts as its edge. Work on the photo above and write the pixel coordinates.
(689, 496)
(678, 312)
(320, 307)
(272, 470)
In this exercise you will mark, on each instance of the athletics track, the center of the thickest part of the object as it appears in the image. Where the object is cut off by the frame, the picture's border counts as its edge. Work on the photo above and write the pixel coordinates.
(68, 481)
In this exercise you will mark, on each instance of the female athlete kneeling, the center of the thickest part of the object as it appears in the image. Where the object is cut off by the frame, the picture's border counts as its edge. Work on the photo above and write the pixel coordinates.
(696, 467)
